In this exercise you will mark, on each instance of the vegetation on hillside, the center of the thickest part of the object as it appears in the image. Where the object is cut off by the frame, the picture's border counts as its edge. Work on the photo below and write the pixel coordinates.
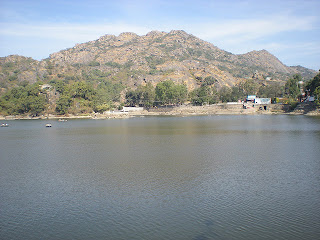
(85, 97)
(26, 99)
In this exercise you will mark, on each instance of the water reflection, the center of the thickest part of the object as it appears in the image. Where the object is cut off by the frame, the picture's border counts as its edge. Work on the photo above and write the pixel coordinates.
(214, 177)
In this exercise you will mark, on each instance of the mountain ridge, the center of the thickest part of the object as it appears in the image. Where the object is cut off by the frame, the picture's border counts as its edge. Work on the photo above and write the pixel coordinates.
(157, 56)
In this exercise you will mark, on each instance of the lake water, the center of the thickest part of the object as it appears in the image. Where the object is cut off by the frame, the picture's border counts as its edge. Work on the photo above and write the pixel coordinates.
(197, 178)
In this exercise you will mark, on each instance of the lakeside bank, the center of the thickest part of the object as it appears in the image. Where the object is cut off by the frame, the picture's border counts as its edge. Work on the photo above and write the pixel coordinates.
(189, 110)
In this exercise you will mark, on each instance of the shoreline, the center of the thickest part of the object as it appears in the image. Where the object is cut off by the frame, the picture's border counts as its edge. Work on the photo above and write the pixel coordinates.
(181, 111)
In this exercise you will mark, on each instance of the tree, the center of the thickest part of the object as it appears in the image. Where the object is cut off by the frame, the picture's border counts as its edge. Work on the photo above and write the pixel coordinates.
(313, 84)
(180, 93)
(249, 87)
(133, 97)
(225, 94)
(82, 90)
(143, 96)
(164, 92)
(36, 105)
(26, 99)
(111, 90)
(148, 95)
(60, 86)
(204, 94)
(169, 93)
(271, 91)
(63, 104)
(101, 101)
(292, 88)
(208, 81)
(237, 93)
(317, 93)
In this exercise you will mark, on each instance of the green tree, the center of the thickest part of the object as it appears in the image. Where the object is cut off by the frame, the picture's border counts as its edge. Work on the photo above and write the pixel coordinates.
(237, 94)
(164, 92)
(111, 90)
(143, 95)
(208, 81)
(148, 95)
(101, 101)
(37, 105)
(204, 94)
(249, 87)
(63, 104)
(100, 106)
(180, 93)
(82, 90)
(313, 84)
(271, 91)
(169, 93)
(133, 97)
(317, 93)
(225, 94)
(26, 99)
(60, 86)
(292, 88)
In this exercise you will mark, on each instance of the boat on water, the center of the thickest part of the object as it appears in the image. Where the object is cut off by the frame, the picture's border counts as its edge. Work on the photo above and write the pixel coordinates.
(48, 125)
(62, 120)
(4, 125)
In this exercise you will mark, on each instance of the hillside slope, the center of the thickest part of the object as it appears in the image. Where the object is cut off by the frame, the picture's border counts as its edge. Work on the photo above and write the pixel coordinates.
(136, 60)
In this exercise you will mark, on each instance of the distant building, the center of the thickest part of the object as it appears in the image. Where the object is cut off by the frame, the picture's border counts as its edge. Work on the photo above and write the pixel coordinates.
(132, 109)
(251, 98)
(263, 101)
(256, 100)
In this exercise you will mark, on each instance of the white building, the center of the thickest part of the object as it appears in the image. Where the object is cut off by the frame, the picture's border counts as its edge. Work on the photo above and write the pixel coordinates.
(262, 100)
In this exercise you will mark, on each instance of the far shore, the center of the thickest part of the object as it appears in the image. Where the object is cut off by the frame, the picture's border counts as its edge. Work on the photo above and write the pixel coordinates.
(217, 109)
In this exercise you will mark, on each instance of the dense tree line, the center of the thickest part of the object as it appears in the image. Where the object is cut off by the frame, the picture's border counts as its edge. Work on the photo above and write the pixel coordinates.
(142, 96)
(167, 92)
(23, 99)
(74, 96)
(83, 97)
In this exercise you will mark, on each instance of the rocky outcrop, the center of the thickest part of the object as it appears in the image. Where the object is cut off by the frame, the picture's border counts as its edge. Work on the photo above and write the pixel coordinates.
(265, 60)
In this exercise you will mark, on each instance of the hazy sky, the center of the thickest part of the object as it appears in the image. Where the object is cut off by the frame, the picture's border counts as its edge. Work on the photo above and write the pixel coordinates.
(288, 29)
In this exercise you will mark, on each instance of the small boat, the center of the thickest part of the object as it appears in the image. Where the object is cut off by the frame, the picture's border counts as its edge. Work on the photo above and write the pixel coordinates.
(48, 125)
(62, 120)
(4, 125)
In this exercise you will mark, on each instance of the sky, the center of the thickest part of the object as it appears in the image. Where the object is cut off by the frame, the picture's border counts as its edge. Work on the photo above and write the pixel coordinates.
(289, 29)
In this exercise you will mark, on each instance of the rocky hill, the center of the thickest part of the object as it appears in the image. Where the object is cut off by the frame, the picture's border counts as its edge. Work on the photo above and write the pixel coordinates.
(136, 60)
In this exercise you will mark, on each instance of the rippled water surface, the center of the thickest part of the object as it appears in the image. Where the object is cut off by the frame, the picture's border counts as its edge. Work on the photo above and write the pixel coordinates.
(210, 177)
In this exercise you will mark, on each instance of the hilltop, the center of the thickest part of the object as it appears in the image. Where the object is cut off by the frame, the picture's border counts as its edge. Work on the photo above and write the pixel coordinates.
(136, 60)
